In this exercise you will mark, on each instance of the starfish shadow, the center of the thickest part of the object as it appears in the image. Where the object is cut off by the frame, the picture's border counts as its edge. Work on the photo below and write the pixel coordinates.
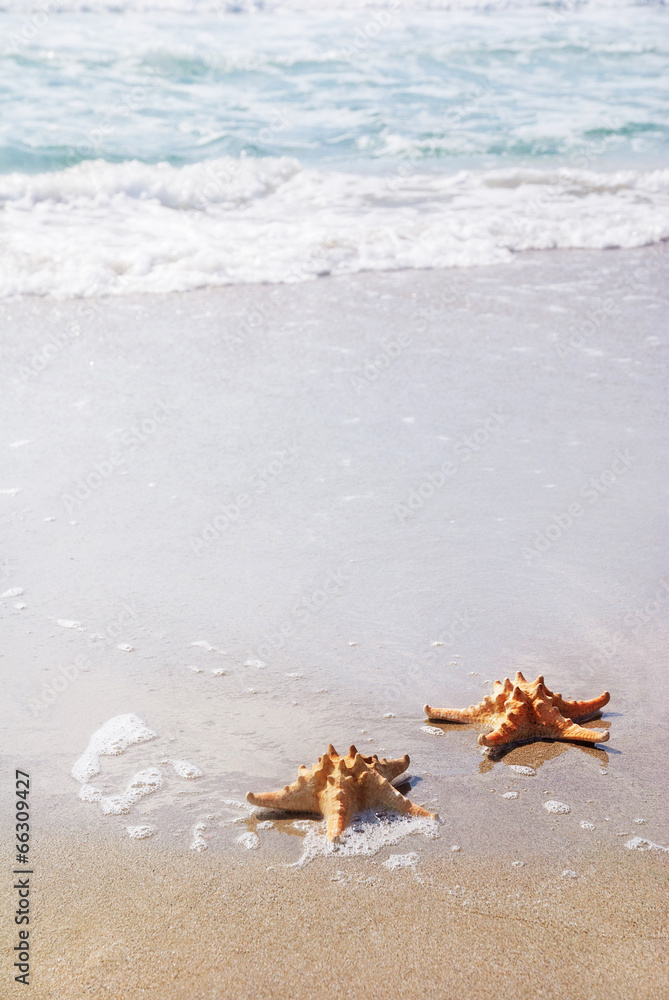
(534, 753)
(282, 823)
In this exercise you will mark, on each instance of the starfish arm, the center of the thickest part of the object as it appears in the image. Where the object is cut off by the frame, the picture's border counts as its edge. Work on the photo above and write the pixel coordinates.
(390, 769)
(298, 797)
(448, 714)
(506, 731)
(337, 805)
(379, 792)
(581, 709)
(571, 731)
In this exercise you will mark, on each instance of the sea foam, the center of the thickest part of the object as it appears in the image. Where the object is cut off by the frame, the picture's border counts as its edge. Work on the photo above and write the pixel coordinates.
(368, 835)
(115, 736)
(123, 228)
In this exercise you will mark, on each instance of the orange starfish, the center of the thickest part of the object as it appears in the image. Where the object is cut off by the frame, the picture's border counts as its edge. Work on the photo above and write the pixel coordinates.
(339, 786)
(527, 711)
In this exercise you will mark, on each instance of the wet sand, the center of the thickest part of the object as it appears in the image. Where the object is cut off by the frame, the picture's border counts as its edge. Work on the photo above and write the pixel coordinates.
(266, 519)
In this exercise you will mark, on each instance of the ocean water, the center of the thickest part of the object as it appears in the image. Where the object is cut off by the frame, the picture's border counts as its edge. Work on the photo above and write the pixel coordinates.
(163, 146)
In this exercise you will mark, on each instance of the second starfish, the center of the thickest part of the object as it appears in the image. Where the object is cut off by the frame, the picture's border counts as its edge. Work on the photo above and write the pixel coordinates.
(340, 785)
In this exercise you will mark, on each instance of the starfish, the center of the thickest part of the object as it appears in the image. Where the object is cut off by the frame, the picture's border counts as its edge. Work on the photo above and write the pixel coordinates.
(527, 711)
(340, 785)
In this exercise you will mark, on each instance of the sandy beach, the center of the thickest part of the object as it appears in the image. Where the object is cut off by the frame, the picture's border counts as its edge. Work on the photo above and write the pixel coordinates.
(267, 518)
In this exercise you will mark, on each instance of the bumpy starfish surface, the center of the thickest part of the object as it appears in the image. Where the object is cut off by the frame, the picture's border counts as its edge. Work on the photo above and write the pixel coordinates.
(339, 786)
(527, 711)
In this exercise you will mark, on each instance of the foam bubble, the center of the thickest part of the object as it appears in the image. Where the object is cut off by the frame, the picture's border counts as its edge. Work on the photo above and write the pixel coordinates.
(13, 592)
(402, 861)
(140, 832)
(587, 825)
(11, 492)
(251, 841)
(523, 769)
(203, 644)
(568, 873)
(258, 664)
(143, 783)
(113, 738)
(552, 806)
(639, 820)
(198, 842)
(368, 835)
(67, 623)
(639, 844)
(125, 647)
(510, 795)
(184, 768)
(433, 730)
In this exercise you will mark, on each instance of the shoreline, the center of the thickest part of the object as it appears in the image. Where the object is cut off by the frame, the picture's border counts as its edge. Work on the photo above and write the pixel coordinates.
(412, 448)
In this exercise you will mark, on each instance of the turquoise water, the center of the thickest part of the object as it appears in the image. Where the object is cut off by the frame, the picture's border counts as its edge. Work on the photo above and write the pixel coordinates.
(443, 89)
(164, 150)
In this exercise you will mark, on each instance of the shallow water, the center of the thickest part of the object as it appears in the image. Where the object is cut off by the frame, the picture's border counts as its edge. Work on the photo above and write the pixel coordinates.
(251, 537)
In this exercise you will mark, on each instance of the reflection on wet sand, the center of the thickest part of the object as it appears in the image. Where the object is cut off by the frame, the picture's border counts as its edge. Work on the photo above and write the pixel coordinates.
(534, 753)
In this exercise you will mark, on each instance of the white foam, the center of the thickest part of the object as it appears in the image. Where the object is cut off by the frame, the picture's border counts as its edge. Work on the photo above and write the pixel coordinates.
(258, 664)
(639, 820)
(510, 795)
(115, 736)
(433, 730)
(11, 492)
(140, 832)
(235, 8)
(402, 861)
(142, 784)
(67, 623)
(587, 825)
(568, 873)
(639, 844)
(559, 808)
(125, 647)
(218, 672)
(13, 592)
(125, 228)
(368, 835)
(522, 769)
(251, 841)
(198, 843)
(203, 644)
(19, 444)
(184, 768)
